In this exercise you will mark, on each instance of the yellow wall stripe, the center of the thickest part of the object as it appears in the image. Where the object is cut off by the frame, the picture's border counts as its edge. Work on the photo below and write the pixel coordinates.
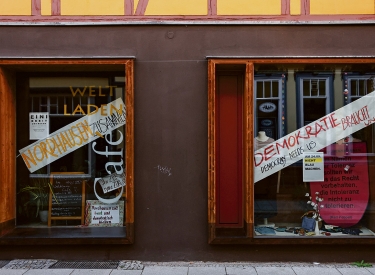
(295, 7)
(92, 7)
(190, 7)
(46, 7)
(15, 7)
(247, 7)
(342, 7)
(177, 7)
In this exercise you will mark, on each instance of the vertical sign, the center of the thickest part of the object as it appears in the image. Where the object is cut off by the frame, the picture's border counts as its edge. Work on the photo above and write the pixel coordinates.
(39, 125)
(313, 166)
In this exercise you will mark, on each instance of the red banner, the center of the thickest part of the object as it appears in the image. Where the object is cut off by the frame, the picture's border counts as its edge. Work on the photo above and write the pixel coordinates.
(345, 189)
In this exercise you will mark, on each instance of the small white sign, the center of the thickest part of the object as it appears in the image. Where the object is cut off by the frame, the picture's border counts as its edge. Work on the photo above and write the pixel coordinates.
(313, 166)
(105, 214)
(39, 125)
(112, 182)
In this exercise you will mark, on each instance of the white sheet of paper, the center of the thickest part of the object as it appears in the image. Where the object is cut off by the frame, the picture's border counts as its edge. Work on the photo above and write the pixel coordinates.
(313, 166)
(38, 125)
(105, 213)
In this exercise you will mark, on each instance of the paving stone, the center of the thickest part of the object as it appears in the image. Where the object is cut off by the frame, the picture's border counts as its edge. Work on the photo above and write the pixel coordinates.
(165, 270)
(3, 263)
(206, 270)
(13, 271)
(49, 272)
(91, 272)
(354, 271)
(30, 264)
(241, 270)
(276, 270)
(130, 265)
(126, 272)
(316, 271)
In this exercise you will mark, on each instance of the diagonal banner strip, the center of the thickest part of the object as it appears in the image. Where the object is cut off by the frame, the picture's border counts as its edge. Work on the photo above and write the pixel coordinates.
(74, 135)
(314, 136)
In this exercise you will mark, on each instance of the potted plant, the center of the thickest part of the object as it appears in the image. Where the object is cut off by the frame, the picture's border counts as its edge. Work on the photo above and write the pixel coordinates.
(39, 195)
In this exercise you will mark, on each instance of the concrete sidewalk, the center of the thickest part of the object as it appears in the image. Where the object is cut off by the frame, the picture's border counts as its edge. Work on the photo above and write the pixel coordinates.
(44, 267)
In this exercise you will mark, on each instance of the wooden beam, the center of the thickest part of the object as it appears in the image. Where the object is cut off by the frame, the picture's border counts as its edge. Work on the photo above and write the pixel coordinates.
(7, 147)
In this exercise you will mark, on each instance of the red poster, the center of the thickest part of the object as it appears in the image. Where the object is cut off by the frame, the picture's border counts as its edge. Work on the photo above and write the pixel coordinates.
(345, 189)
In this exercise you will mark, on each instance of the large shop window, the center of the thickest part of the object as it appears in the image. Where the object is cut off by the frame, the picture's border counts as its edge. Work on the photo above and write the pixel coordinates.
(74, 142)
(291, 151)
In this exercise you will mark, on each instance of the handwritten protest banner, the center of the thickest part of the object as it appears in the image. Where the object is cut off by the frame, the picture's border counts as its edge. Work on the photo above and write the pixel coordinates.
(74, 135)
(314, 136)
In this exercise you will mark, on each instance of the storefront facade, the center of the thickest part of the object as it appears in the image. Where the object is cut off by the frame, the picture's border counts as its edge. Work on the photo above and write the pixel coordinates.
(188, 132)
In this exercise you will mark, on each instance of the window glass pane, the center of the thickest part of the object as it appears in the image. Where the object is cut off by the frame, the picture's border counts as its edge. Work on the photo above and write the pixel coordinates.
(267, 89)
(353, 87)
(259, 89)
(306, 88)
(361, 88)
(275, 88)
(73, 153)
(322, 87)
(314, 108)
(314, 87)
(268, 117)
(320, 169)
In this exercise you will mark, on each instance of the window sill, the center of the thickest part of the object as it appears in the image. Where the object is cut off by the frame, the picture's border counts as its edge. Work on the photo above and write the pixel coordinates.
(67, 235)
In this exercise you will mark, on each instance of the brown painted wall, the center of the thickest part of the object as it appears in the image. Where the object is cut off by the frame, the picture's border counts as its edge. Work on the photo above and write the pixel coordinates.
(171, 127)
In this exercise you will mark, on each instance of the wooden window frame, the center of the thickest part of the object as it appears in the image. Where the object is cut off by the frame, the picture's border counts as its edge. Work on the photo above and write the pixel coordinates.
(8, 154)
(300, 97)
(248, 176)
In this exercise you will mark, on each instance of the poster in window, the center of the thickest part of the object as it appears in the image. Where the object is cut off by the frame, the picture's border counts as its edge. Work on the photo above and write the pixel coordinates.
(104, 215)
(345, 189)
(39, 125)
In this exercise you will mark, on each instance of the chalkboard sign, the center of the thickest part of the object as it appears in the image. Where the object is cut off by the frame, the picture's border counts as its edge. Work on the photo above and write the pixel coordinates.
(67, 200)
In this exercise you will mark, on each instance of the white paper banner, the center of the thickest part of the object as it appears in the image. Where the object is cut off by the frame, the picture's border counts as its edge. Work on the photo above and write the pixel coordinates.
(315, 136)
(74, 135)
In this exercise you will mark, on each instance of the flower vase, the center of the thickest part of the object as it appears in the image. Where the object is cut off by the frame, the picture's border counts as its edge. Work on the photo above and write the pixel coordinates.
(317, 228)
(43, 215)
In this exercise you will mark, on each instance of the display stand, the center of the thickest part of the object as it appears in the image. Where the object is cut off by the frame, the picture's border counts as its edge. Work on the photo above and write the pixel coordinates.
(266, 223)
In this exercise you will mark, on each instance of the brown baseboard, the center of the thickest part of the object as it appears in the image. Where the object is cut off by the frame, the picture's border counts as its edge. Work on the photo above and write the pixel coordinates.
(230, 235)
(7, 226)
